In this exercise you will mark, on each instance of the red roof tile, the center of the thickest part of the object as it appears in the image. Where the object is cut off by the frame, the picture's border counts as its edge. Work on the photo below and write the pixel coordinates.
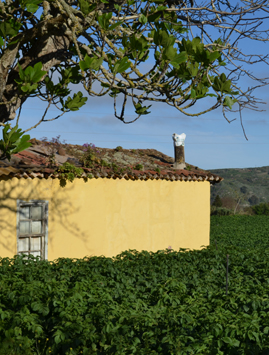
(107, 163)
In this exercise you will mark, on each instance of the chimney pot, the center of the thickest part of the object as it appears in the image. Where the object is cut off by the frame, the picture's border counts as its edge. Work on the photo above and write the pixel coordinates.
(179, 142)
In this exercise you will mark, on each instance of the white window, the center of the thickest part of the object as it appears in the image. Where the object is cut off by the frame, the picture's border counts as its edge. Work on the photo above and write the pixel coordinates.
(32, 228)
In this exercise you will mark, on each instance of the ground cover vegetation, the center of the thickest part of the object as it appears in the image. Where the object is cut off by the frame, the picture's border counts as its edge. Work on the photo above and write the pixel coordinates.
(169, 302)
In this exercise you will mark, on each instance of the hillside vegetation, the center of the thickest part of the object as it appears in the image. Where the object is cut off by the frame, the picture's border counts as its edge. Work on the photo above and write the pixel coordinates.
(249, 186)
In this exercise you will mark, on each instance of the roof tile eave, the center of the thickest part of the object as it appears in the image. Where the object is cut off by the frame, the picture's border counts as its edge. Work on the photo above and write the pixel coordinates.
(136, 175)
(157, 166)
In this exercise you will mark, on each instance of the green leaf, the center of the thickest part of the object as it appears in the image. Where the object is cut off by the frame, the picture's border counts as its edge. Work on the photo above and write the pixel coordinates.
(14, 137)
(70, 75)
(138, 44)
(37, 73)
(196, 44)
(57, 339)
(117, 7)
(141, 110)
(193, 68)
(213, 56)
(73, 104)
(161, 38)
(226, 87)
(90, 63)
(103, 20)
(211, 95)
(179, 28)
(154, 17)
(122, 65)
(13, 141)
(169, 53)
(217, 84)
(193, 94)
(160, 8)
(32, 5)
(143, 19)
(9, 28)
(115, 25)
(230, 341)
(229, 101)
(30, 75)
(1, 42)
(223, 77)
(27, 88)
(21, 147)
(179, 58)
(266, 330)
(86, 7)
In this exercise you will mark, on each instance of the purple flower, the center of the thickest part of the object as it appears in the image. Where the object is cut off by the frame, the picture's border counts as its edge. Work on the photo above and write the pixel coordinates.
(87, 145)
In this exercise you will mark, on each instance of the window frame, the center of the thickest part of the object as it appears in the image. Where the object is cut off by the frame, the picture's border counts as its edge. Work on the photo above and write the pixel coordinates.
(44, 234)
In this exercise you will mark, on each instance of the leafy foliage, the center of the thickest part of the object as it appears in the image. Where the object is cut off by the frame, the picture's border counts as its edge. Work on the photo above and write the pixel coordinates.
(163, 51)
(14, 141)
(261, 209)
(30, 77)
(220, 211)
(169, 302)
(68, 172)
(90, 155)
(247, 232)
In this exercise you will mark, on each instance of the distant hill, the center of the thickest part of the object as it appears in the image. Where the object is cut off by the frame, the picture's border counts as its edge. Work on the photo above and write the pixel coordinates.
(250, 184)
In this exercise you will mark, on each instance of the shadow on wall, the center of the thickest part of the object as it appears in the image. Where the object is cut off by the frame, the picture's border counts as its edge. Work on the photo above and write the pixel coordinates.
(61, 210)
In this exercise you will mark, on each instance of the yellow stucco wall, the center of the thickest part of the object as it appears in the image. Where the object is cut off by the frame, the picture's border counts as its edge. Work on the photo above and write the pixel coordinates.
(106, 216)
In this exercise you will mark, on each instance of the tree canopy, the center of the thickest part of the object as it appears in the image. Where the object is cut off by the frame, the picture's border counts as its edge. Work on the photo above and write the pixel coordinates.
(171, 51)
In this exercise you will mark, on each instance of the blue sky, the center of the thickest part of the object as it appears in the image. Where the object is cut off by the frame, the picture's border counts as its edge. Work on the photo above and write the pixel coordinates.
(211, 142)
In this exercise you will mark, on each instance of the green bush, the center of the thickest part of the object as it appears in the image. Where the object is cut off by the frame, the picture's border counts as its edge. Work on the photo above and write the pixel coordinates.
(261, 209)
(217, 202)
(220, 211)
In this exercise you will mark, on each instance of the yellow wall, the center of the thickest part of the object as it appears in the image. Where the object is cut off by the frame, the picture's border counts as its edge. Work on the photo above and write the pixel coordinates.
(106, 216)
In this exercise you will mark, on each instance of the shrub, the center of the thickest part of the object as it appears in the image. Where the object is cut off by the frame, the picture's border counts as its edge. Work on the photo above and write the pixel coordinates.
(90, 155)
(220, 211)
(217, 202)
(253, 200)
(138, 167)
(261, 209)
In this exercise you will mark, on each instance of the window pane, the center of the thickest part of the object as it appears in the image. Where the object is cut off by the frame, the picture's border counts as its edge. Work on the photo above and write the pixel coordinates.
(36, 227)
(23, 244)
(36, 243)
(37, 212)
(25, 212)
(32, 225)
(24, 227)
(35, 253)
